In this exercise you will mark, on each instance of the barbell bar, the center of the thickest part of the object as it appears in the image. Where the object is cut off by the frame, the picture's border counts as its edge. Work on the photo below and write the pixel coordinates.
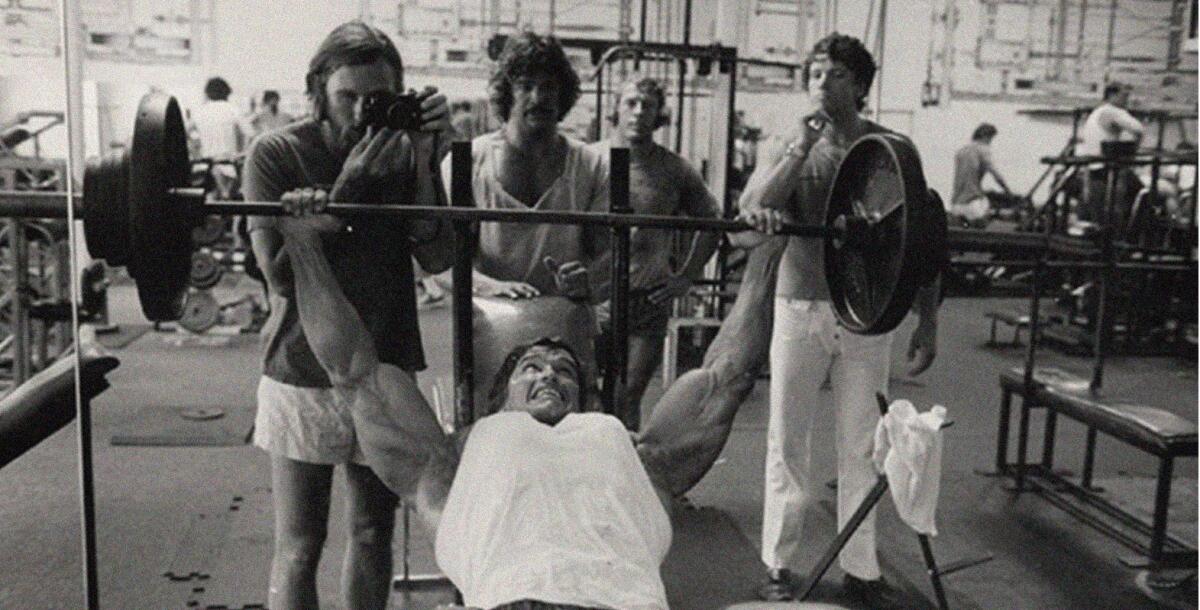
(884, 235)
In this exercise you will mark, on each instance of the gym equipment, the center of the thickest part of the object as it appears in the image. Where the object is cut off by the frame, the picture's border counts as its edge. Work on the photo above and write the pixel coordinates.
(138, 212)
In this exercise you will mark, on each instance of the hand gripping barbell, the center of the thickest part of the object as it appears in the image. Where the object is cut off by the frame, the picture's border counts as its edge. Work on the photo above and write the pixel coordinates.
(884, 233)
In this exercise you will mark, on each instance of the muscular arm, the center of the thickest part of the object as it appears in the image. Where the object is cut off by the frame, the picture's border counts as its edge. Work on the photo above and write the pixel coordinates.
(400, 436)
(689, 426)
(772, 185)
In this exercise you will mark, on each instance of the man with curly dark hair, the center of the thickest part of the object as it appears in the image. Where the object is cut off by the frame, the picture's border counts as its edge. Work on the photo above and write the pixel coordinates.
(807, 342)
(528, 165)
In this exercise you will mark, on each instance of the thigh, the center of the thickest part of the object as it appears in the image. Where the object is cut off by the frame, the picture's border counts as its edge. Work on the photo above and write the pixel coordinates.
(798, 362)
(368, 500)
(300, 492)
(645, 354)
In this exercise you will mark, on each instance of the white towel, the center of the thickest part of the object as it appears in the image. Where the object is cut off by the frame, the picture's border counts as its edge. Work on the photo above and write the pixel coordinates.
(908, 449)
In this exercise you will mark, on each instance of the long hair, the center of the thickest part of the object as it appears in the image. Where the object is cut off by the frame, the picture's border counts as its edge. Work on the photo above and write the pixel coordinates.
(528, 54)
(353, 43)
(498, 392)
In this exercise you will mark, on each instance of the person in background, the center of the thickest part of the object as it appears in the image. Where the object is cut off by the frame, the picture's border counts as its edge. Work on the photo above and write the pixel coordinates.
(1108, 122)
(269, 117)
(972, 163)
(216, 125)
(665, 184)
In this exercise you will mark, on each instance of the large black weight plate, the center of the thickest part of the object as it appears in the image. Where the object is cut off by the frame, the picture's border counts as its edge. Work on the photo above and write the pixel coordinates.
(209, 232)
(873, 277)
(160, 226)
(105, 208)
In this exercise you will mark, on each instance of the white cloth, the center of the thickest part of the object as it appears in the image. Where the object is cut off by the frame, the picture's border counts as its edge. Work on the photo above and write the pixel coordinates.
(305, 424)
(908, 449)
(1106, 123)
(561, 514)
(806, 343)
(217, 124)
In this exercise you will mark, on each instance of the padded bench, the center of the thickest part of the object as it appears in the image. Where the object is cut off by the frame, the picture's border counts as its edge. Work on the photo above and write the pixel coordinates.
(1155, 431)
(1011, 318)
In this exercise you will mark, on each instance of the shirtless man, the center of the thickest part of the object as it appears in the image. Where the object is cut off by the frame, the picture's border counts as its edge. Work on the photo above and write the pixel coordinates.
(528, 165)
(538, 505)
(662, 183)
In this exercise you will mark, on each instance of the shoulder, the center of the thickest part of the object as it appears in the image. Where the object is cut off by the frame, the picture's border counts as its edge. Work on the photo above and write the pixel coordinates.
(590, 156)
(270, 146)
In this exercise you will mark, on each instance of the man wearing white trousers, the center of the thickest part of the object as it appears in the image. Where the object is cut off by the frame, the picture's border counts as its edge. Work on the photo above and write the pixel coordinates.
(807, 344)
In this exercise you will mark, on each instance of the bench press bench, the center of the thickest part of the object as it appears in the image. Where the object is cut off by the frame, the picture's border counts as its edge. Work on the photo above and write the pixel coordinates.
(1155, 431)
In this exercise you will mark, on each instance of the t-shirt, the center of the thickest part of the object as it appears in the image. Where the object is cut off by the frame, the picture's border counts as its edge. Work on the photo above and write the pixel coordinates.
(514, 251)
(664, 184)
(562, 514)
(1106, 123)
(217, 124)
(372, 261)
(266, 121)
(971, 162)
(802, 269)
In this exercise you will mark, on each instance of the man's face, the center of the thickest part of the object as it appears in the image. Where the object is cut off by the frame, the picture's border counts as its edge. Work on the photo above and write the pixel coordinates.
(536, 104)
(544, 384)
(831, 84)
(637, 113)
(345, 91)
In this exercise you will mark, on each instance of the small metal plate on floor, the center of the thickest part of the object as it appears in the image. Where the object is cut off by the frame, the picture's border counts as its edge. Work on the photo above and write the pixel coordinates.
(202, 413)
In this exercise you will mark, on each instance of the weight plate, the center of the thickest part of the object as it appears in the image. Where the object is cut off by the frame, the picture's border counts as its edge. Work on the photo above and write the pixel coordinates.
(105, 208)
(206, 271)
(160, 226)
(873, 274)
(209, 232)
(200, 312)
(202, 413)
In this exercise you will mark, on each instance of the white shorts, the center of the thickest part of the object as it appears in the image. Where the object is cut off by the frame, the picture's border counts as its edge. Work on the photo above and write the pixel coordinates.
(305, 424)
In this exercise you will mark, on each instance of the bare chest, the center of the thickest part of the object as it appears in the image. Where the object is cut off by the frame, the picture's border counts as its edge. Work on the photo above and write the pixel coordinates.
(527, 177)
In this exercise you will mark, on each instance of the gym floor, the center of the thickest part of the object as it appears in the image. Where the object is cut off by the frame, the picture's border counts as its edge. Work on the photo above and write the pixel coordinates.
(190, 526)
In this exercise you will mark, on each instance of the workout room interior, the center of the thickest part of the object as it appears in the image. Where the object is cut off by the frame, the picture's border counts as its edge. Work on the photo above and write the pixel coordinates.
(130, 478)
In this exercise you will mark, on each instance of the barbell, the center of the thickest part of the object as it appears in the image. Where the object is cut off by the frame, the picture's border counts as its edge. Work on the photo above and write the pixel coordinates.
(884, 234)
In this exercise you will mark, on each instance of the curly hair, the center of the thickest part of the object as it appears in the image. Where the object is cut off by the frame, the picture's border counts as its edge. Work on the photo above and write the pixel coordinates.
(216, 89)
(650, 86)
(850, 52)
(498, 392)
(525, 55)
(353, 43)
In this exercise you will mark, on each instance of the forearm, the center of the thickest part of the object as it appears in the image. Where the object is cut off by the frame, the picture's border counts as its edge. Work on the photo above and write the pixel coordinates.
(772, 186)
(433, 240)
(926, 303)
(334, 331)
(703, 246)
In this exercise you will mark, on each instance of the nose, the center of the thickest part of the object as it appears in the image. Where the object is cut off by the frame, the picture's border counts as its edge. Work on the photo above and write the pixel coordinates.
(358, 110)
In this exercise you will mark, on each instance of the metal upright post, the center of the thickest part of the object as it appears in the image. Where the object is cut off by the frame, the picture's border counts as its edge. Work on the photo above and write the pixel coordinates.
(616, 375)
(462, 329)
(1102, 322)
(19, 323)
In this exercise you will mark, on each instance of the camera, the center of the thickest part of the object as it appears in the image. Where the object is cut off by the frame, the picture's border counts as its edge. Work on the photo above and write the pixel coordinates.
(395, 111)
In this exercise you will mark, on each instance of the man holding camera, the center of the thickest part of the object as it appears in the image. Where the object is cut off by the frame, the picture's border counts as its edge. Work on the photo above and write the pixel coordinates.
(346, 150)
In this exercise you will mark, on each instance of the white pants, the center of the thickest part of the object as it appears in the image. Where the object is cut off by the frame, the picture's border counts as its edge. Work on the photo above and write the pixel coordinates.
(806, 344)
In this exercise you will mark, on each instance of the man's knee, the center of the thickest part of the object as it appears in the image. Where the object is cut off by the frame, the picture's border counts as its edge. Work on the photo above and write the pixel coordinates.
(373, 529)
(300, 549)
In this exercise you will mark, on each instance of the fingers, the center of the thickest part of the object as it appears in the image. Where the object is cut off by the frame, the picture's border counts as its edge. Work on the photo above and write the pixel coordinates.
(304, 201)
(435, 111)
(516, 290)
(763, 220)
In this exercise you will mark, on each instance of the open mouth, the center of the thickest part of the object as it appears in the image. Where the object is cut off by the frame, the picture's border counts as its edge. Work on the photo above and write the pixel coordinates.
(546, 392)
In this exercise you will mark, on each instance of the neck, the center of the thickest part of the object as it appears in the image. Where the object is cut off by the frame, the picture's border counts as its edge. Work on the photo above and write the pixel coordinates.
(638, 147)
(532, 142)
(847, 126)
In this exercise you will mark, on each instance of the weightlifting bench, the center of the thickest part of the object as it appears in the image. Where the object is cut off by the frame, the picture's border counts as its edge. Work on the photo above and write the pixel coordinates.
(1155, 431)
(1011, 318)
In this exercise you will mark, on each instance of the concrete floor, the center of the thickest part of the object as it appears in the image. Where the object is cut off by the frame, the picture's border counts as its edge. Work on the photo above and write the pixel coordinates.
(207, 509)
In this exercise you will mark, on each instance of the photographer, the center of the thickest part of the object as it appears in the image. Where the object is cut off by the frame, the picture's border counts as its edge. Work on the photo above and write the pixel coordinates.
(353, 80)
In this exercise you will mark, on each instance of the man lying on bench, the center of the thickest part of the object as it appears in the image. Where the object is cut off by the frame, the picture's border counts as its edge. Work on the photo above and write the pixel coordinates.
(537, 505)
